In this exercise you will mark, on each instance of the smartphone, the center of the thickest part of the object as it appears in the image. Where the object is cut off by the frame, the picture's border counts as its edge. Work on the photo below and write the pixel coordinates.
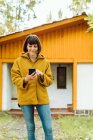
(32, 70)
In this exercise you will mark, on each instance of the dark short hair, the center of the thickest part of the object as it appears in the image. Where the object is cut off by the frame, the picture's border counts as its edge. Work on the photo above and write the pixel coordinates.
(32, 39)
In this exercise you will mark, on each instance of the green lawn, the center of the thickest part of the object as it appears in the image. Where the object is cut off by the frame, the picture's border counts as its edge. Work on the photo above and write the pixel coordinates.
(77, 127)
(64, 128)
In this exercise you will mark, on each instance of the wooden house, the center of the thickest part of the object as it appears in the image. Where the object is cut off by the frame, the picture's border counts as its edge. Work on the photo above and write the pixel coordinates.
(69, 48)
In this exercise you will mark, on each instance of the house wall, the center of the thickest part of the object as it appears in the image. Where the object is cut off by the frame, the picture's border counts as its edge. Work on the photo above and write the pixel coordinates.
(12, 49)
(59, 98)
(0, 53)
(6, 87)
(67, 42)
(85, 86)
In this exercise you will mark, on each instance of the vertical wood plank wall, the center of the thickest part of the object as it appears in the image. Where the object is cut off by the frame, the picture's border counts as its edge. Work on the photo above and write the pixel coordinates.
(67, 43)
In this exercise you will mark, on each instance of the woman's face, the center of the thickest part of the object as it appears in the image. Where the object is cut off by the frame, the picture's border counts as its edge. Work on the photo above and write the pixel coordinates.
(32, 49)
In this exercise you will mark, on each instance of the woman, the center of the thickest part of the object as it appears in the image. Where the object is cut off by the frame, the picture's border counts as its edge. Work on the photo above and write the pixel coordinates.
(31, 88)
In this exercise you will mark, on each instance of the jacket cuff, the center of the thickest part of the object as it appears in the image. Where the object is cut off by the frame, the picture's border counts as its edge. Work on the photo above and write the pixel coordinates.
(25, 84)
(41, 79)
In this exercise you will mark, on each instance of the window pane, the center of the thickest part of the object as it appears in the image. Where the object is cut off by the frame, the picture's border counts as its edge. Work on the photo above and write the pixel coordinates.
(61, 77)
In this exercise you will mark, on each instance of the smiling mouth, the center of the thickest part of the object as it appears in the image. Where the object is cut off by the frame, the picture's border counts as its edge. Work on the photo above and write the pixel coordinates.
(33, 51)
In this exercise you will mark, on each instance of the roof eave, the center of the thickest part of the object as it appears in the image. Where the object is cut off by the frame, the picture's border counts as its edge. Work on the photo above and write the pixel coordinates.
(43, 28)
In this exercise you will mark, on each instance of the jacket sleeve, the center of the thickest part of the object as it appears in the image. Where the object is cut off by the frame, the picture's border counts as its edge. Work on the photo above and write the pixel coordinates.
(47, 79)
(16, 77)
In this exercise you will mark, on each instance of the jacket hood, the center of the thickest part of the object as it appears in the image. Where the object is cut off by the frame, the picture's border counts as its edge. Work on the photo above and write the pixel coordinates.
(26, 55)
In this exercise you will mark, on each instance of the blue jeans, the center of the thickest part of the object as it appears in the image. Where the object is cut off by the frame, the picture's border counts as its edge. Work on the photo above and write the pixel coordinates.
(45, 116)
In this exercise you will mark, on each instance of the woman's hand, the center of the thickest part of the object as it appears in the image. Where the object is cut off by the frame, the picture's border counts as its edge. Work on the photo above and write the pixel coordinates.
(30, 77)
(33, 75)
(41, 75)
(38, 72)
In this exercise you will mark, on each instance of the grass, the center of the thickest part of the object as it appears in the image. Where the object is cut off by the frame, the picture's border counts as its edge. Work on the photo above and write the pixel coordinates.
(64, 128)
(77, 127)
(4, 118)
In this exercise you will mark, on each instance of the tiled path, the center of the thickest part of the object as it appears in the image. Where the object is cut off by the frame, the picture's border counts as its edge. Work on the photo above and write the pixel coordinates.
(14, 128)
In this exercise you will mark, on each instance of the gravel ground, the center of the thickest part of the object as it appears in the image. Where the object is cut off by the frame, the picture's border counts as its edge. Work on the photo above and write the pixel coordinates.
(14, 128)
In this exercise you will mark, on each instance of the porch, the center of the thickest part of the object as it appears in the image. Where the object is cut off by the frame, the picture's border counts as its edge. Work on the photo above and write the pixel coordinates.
(55, 112)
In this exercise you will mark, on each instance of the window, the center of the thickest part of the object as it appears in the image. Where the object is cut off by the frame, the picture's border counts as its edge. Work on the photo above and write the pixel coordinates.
(61, 77)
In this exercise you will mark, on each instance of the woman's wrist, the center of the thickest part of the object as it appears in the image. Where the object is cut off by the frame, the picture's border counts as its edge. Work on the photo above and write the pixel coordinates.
(42, 74)
(25, 80)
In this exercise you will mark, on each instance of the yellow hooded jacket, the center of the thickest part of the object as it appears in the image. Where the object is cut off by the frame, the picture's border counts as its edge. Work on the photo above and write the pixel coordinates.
(35, 91)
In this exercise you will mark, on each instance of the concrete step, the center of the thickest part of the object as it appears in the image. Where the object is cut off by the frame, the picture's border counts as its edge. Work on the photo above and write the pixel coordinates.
(54, 112)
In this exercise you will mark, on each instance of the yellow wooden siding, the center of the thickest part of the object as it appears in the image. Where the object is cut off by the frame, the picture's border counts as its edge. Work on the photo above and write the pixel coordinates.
(68, 43)
(12, 49)
(0, 52)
